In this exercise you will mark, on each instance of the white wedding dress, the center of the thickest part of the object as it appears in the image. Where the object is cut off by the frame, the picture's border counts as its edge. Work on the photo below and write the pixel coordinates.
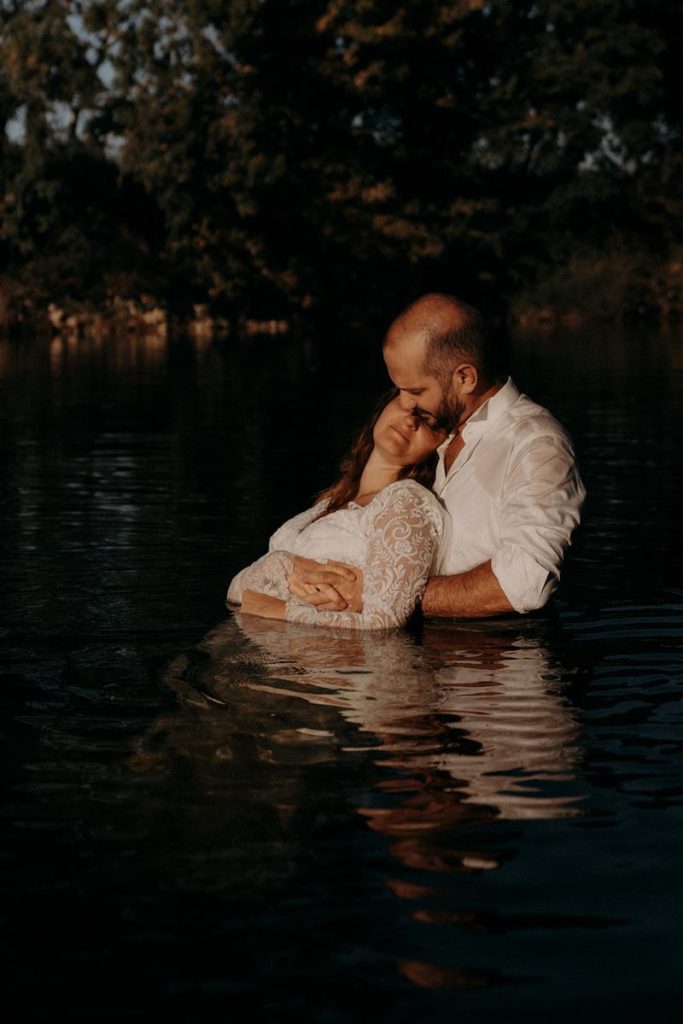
(393, 539)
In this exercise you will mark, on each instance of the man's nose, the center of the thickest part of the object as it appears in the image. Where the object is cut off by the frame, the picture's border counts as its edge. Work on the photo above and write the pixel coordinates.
(407, 402)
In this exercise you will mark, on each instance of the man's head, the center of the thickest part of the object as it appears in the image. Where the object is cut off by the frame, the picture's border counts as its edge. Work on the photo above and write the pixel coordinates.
(438, 353)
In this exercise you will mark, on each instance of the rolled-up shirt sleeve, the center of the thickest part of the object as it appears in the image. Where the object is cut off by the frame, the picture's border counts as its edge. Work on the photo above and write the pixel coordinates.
(540, 507)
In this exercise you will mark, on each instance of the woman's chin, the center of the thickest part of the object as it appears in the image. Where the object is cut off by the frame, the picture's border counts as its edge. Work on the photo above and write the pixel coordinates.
(395, 448)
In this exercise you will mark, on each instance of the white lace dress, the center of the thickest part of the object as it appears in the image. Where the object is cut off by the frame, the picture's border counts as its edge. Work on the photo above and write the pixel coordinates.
(393, 539)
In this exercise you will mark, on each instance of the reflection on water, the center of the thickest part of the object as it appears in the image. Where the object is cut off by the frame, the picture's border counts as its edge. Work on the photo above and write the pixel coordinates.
(451, 732)
(469, 726)
(477, 718)
(267, 819)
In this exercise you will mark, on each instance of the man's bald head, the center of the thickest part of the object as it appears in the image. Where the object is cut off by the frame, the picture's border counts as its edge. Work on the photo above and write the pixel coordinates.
(447, 332)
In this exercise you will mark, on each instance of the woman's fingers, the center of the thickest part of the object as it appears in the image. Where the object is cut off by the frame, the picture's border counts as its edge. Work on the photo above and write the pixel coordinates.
(342, 569)
(325, 578)
(328, 599)
(320, 595)
(309, 571)
(314, 582)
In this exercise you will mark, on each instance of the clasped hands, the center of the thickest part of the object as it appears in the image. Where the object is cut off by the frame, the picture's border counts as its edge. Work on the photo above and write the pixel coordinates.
(327, 586)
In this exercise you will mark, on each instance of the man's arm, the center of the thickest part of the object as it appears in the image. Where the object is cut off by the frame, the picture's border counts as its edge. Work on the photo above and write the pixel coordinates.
(541, 503)
(468, 595)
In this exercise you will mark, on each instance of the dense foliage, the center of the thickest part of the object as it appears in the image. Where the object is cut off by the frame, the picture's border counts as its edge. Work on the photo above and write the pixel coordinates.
(280, 155)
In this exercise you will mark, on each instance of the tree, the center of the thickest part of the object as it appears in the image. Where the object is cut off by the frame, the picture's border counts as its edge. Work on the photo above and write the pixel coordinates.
(329, 154)
(73, 226)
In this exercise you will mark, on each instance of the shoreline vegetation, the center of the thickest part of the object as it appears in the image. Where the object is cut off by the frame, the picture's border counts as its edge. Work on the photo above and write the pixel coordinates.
(230, 165)
(610, 289)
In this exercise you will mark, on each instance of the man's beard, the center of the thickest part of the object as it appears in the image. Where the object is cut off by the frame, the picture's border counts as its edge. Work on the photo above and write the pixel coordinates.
(451, 410)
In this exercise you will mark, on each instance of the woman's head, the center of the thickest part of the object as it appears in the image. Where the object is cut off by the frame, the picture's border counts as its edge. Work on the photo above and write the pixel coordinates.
(404, 437)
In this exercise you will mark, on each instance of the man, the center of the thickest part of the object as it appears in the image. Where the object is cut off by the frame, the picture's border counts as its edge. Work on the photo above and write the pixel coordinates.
(506, 475)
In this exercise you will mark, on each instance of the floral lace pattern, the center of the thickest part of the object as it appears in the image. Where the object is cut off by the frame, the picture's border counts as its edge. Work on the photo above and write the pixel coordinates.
(267, 575)
(393, 540)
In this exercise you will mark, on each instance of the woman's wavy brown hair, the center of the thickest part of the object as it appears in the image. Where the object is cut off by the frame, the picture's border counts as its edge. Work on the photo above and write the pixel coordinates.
(355, 461)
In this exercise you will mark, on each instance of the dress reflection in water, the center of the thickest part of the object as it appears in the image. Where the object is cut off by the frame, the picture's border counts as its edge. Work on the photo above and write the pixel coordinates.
(480, 714)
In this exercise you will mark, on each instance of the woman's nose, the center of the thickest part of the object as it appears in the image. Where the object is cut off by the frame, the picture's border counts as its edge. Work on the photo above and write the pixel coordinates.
(413, 421)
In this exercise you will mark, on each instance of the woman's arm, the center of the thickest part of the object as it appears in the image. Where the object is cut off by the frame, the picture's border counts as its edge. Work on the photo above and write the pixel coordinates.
(267, 574)
(404, 531)
(264, 605)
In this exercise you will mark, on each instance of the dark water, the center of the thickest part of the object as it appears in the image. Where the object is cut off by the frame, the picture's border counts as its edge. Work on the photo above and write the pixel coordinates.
(208, 819)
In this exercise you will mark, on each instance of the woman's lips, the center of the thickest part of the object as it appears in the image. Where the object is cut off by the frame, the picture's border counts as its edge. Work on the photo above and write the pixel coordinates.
(404, 436)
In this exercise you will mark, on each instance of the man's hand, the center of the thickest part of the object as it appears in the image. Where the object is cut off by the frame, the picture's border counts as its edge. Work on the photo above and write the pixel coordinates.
(327, 586)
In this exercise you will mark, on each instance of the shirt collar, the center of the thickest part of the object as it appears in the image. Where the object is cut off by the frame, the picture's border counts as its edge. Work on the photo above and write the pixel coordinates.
(487, 414)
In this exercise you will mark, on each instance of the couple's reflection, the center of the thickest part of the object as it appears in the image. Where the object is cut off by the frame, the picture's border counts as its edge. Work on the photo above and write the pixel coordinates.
(294, 752)
(468, 725)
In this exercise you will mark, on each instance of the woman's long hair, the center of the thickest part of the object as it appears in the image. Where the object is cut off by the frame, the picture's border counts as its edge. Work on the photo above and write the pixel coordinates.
(355, 461)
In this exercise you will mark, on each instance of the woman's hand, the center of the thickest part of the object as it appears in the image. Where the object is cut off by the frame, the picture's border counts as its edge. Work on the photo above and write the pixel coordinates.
(328, 585)
(254, 603)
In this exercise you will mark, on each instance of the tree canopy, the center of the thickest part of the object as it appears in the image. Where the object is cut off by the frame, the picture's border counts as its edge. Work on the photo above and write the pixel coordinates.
(272, 157)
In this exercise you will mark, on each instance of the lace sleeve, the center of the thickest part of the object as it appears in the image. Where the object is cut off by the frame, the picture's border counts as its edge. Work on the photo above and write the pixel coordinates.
(267, 575)
(405, 524)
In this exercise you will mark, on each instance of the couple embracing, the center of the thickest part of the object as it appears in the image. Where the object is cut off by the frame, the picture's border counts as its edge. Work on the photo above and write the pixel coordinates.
(460, 495)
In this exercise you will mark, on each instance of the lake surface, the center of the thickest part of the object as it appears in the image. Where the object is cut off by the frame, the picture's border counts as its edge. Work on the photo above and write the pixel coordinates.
(206, 816)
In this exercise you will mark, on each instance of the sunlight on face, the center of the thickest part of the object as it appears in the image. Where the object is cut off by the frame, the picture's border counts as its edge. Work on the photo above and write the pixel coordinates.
(404, 435)
(404, 361)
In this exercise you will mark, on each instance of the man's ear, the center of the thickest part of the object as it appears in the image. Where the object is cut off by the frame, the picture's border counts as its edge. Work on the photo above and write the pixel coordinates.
(465, 379)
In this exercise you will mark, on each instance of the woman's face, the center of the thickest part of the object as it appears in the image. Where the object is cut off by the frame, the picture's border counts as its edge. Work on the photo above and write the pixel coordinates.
(403, 436)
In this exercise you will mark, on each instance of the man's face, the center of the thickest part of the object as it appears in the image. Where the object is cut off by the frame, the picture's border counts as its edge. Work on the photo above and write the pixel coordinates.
(418, 390)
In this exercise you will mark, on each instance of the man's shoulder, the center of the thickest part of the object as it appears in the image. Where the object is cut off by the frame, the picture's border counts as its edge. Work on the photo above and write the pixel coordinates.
(527, 420)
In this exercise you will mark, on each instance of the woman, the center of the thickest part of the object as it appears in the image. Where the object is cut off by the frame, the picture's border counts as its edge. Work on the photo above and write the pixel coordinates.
(379, 516)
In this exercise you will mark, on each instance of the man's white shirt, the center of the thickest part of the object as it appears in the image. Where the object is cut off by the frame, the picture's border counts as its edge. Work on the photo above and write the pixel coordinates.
(513, 495)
